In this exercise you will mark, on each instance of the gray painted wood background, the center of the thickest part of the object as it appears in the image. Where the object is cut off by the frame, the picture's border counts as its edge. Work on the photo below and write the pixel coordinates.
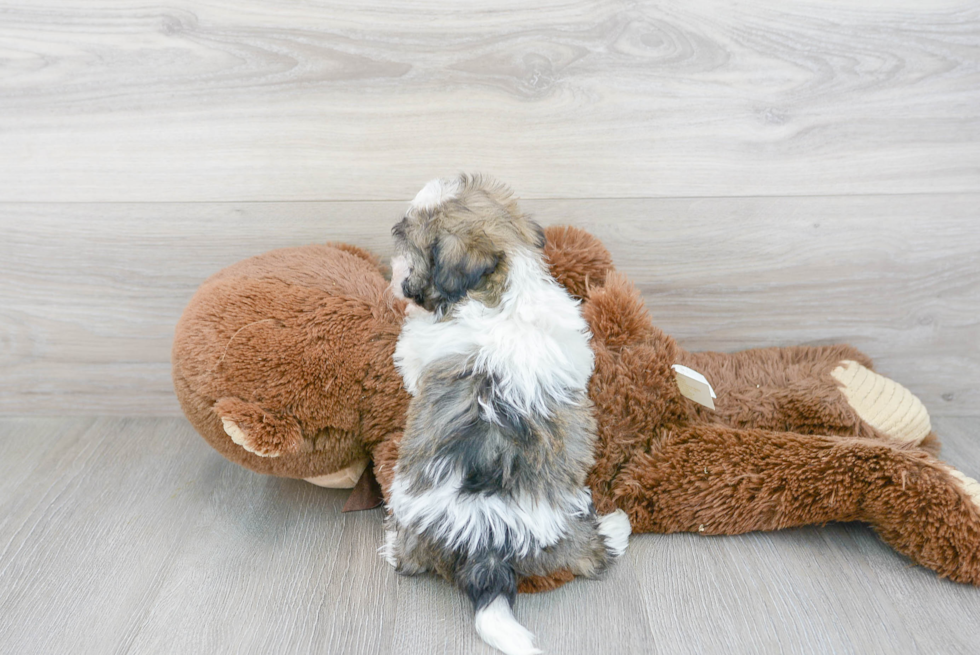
(90, 293)
(769, 173)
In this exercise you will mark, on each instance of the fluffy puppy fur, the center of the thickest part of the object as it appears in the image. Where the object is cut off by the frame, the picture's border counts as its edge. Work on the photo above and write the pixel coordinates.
(489, 485)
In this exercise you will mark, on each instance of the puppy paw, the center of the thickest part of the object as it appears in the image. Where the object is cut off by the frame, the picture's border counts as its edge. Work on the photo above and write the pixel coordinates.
(387, 550)
(615, 530)
(259, 432)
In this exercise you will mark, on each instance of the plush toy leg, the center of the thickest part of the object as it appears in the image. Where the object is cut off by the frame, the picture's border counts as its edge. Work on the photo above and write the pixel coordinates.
(884, 404)
(264, 433)
(715, 480)
(826, 390)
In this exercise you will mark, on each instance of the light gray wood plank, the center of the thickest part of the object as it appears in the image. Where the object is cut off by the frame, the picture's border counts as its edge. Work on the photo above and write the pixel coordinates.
(131, 535)
(69, 560)
(789, 592)
(609, 614)
(603, 616)
(89, 294)
(139, 538)
(26, 448)
(327, 100)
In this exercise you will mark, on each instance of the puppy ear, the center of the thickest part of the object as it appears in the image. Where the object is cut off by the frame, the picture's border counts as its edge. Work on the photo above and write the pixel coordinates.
(539, 237)
(456, 268)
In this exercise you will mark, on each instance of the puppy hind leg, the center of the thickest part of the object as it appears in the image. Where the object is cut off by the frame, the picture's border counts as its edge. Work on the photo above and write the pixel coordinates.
(387, 549)
(491, 585)
(599, 541)
(401, 550)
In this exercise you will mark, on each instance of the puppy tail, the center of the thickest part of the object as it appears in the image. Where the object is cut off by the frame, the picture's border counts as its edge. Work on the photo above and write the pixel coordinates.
(497, 626)
(491, 585)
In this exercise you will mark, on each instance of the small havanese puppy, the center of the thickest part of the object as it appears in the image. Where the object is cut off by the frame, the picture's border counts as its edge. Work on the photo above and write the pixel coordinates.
(489, 485)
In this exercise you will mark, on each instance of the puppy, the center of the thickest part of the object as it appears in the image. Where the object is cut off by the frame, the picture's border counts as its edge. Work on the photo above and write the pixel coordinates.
(489, 485)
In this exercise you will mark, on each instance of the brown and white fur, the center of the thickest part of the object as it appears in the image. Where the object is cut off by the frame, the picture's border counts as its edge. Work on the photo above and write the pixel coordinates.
(490, 481)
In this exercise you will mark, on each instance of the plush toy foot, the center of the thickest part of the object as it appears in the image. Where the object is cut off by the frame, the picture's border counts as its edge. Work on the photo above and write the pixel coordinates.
(762, 480)
(882, 403)
(970, 486)
(343, 479)
(259, 432)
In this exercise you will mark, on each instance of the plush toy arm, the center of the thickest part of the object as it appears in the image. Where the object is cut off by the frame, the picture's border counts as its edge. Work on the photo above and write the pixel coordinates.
(828, 390)
(716, 480)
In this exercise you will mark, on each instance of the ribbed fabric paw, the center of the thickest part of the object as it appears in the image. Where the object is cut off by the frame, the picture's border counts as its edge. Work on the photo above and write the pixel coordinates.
(882, 403)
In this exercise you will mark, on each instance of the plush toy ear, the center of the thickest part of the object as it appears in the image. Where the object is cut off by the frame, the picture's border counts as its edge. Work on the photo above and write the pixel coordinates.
(458, 267)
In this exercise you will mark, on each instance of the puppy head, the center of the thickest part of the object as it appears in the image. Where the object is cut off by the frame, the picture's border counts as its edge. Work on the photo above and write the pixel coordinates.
(455, 242)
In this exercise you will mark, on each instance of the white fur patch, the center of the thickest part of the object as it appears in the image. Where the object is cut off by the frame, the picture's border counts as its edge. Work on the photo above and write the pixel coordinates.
(497, 626)
(535, 342)
(472, 521)
(436, 192)
(615, 529)
(387, 550)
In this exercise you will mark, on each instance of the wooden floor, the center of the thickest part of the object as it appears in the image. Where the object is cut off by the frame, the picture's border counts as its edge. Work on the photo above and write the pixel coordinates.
(133, 536)
(768, 173)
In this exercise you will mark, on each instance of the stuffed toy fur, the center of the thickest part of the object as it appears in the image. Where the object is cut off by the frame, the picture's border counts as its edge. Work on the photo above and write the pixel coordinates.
(283, 363)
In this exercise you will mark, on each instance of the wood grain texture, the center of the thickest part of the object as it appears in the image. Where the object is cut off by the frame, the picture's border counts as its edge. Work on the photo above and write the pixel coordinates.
(89, 294)
(768, 173)
(133, 536)
(326, 100)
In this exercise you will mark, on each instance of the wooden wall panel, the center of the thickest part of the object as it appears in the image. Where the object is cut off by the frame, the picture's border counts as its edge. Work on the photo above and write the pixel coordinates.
(89, 293)
(249, 100)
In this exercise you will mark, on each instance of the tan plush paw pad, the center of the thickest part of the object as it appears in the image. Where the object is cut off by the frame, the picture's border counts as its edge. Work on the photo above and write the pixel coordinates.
(238, 436)
(970, 486)
(259, 431)
(884, 404)
(342, 479)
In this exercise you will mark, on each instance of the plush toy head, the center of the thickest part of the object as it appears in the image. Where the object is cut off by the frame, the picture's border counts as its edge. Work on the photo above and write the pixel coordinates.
(283, 362)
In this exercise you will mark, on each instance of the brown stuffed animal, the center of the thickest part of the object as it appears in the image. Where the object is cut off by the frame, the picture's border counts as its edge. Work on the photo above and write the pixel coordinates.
(283, 363)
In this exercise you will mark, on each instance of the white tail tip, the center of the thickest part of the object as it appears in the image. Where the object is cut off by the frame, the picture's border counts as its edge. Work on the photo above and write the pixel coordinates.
(498, 627)
(615, 529)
